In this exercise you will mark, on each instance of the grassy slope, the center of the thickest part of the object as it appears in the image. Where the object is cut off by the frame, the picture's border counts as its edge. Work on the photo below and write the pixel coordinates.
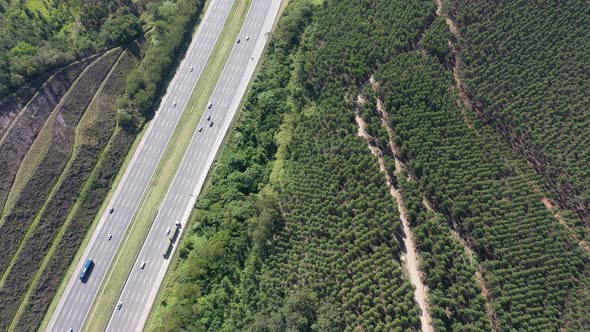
(172, 157)
(74, 234)
(97, 122)
(45, 210)
(36, 155)
(24, 129)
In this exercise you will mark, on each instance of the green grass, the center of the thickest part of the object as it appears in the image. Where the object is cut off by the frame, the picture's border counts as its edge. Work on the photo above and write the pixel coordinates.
(118, 272)
(31, 161)
(83, 135)
(33, 158)
(103, 207)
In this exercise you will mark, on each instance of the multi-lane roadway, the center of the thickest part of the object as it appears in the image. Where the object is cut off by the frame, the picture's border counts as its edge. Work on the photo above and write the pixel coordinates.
(142, 284)
(78, 297)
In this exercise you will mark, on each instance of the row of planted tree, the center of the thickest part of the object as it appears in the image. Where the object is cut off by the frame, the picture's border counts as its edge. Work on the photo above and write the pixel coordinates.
(297, 230)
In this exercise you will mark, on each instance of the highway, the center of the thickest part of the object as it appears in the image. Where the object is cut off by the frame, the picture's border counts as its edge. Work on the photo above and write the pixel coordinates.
(142, 284)
(77, 299)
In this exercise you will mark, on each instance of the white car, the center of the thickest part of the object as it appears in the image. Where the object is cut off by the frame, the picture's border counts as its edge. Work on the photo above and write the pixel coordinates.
(177, 223)
(109, 237)
(209, 105)
(247, 38)
(119, 305)
(174, 104)
(208, 117)
(191, 68)
(142, 265)
(167, 230)
(200, 129)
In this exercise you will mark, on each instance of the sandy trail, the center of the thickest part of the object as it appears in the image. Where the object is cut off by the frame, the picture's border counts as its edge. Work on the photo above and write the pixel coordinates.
(410, 259)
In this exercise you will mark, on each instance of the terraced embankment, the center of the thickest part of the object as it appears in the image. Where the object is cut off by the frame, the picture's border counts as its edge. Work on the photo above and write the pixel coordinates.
(99, 150)
(11, 105)
(17, 141)
(47, 158)
(55, 143)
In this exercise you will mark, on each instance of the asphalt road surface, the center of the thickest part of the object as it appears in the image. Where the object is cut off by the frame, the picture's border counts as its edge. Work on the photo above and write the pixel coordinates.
(78, 297)
(142, 284)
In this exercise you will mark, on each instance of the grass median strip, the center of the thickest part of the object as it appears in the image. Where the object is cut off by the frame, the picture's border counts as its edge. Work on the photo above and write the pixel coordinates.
(118, 272)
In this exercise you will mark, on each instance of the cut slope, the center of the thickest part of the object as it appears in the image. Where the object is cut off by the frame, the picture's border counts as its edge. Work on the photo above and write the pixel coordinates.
(91, 143)
(29, 122)
(11, 105)
(60, 139)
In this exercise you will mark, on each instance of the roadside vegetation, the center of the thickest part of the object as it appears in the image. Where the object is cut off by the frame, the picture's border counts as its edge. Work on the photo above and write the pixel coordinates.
(65, 130)
(40, 35)
(166, 170)
(296, 229)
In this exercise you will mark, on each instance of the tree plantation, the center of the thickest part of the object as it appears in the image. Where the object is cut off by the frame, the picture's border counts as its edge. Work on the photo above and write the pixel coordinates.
(297, 229)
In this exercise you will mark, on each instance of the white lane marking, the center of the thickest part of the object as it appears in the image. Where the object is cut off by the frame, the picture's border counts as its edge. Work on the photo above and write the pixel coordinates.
(69, 313)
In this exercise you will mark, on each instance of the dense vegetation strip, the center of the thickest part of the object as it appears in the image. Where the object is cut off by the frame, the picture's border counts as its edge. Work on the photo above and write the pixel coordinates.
(315, 243)
(243, 167)
(39, 35)
(529, 260)
(526, 67)
(172, 24)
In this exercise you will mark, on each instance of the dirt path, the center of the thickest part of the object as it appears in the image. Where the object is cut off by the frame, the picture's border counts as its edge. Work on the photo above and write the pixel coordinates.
(410, 259)
(464, 102)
